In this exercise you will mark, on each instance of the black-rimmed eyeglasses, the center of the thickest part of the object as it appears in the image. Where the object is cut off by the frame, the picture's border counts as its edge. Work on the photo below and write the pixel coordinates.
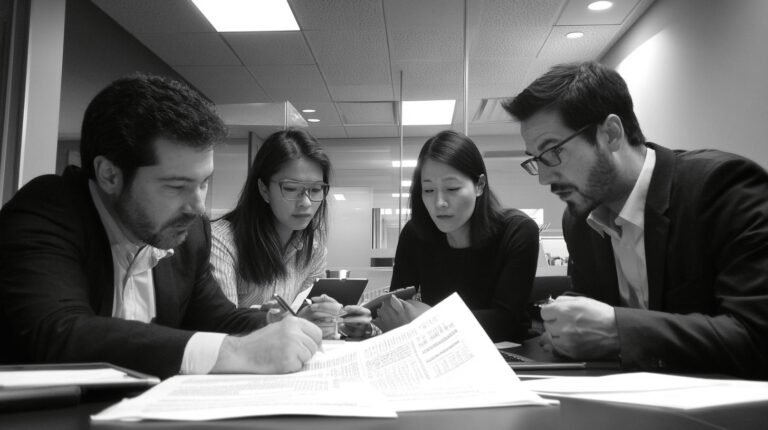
(295, 190)
(551, 156)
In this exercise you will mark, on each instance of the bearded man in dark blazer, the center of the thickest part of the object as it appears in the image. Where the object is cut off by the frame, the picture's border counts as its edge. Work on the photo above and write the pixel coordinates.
(668, 249)
(110, 262)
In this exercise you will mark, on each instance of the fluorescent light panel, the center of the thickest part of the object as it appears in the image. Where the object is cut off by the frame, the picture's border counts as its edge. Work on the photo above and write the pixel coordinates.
(404, 195)
(339, 197)
(600, 5)
(428, 112)
(406, 183)
(248, 15)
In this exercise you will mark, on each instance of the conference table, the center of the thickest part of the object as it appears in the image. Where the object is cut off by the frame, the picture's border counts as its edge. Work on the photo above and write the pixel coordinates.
(571, 415)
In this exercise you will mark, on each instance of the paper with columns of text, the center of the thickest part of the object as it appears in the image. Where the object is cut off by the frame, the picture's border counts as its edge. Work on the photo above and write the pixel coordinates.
(442, 360)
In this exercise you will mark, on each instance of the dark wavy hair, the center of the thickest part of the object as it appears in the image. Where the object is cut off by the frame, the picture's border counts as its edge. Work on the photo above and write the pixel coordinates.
(260, 253)
(583, 93)
(461, 153)
(124, 119)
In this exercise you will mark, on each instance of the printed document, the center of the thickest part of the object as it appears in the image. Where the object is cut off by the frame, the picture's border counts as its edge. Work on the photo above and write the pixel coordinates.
(441, 360)
(654, 389)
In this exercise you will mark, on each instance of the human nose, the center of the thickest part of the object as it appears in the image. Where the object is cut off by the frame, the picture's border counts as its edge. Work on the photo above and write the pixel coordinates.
(546, 174)
(196, 203)
(304, 198)
(441, 201)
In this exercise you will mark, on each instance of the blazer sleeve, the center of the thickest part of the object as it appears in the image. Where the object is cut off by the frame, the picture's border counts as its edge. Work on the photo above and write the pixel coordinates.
(730, 336)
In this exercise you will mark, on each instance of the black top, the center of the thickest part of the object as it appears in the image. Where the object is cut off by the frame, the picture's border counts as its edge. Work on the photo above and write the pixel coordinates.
(494, 278)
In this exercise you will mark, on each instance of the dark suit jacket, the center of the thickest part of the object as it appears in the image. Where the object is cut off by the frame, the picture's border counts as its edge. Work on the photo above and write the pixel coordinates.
(57, 286)
(706, 246)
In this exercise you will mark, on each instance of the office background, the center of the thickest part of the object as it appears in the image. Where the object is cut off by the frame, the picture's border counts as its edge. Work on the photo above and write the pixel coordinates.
(694, 67)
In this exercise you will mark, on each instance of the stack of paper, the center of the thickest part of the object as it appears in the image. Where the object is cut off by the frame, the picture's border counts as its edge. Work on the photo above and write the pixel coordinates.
(442, 360)
(654, 389)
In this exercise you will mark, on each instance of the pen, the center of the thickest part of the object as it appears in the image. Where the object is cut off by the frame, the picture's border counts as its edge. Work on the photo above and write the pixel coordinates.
(283, 304)
(286, 307)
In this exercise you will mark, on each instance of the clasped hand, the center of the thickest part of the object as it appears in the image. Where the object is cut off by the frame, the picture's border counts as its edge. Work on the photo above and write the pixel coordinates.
(580, 328)
(331, 317)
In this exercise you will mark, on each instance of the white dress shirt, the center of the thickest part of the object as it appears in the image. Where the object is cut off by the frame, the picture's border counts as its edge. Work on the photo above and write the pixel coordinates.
(627, 233)
(134, 297)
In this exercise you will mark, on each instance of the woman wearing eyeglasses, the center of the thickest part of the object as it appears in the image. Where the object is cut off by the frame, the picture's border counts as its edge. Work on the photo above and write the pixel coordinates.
(459, 239)
(273, 241)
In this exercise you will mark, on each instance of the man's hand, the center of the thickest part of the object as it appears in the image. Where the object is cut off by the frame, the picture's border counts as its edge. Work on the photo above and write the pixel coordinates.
(396, 312)
(280, 347)
(580, 328)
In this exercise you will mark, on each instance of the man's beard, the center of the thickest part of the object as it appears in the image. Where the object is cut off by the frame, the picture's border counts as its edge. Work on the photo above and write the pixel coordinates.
(134, 216)
(600, 188)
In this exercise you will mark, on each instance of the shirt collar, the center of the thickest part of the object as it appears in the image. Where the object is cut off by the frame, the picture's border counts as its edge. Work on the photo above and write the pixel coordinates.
(633, 211)
(122, 248)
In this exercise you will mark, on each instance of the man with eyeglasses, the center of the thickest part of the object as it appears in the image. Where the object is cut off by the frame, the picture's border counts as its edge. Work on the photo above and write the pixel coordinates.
(668, 249)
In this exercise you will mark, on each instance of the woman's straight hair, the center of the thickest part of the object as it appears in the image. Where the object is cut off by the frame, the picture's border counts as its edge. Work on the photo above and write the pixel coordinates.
(259, 250)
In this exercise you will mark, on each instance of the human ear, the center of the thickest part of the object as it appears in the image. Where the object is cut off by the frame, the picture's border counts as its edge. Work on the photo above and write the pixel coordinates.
(480, 185)
(264, 191)
(614, 130)
(109, 177)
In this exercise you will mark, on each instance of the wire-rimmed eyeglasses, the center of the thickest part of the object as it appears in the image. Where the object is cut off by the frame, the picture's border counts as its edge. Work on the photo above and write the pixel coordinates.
(295, 190)
(551, 156)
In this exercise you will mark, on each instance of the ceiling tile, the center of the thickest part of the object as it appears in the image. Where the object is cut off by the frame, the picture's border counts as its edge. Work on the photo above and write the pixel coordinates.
(589, 47)
(270, 48)
(519, 13)
(189, 49)
(432, 14)
(295, 83)
(225, 84)
(445, 44)
(323, 131)
(577, 13)
(336, 14)
(152, 16)
(372, 131)
(325, 112)
(355, 64)
(370, 113)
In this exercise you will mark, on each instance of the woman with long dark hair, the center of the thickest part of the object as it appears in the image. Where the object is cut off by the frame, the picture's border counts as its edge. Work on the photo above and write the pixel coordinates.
(459, 239)
(273, 241)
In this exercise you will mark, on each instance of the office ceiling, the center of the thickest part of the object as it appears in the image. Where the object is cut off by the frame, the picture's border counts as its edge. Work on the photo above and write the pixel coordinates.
(346, 61)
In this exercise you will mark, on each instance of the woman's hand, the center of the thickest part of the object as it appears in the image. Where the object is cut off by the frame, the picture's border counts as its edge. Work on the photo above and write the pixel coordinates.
(396, 312)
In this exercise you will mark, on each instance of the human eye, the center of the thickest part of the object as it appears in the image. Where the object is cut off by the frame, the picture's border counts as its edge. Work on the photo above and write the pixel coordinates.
(289, 187)
(427, 190)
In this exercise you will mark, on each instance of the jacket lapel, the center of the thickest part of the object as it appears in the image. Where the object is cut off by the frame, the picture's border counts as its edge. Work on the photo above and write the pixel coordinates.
(166, 302)
(657, 223)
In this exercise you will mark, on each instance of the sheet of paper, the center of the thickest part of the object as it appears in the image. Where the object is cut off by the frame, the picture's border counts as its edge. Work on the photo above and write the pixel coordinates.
(654, 389)
(442, 360)
(38, 378)
(204, 397)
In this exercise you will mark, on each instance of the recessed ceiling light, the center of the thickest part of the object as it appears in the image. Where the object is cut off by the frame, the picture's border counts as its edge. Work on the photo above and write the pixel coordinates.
(248, 15)
(428, 112)
(313, 120)
(339, 197)
(404, 195)
(406, 163)
(575, 35)
(406, 183)
(600, 5)
(309, 110)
